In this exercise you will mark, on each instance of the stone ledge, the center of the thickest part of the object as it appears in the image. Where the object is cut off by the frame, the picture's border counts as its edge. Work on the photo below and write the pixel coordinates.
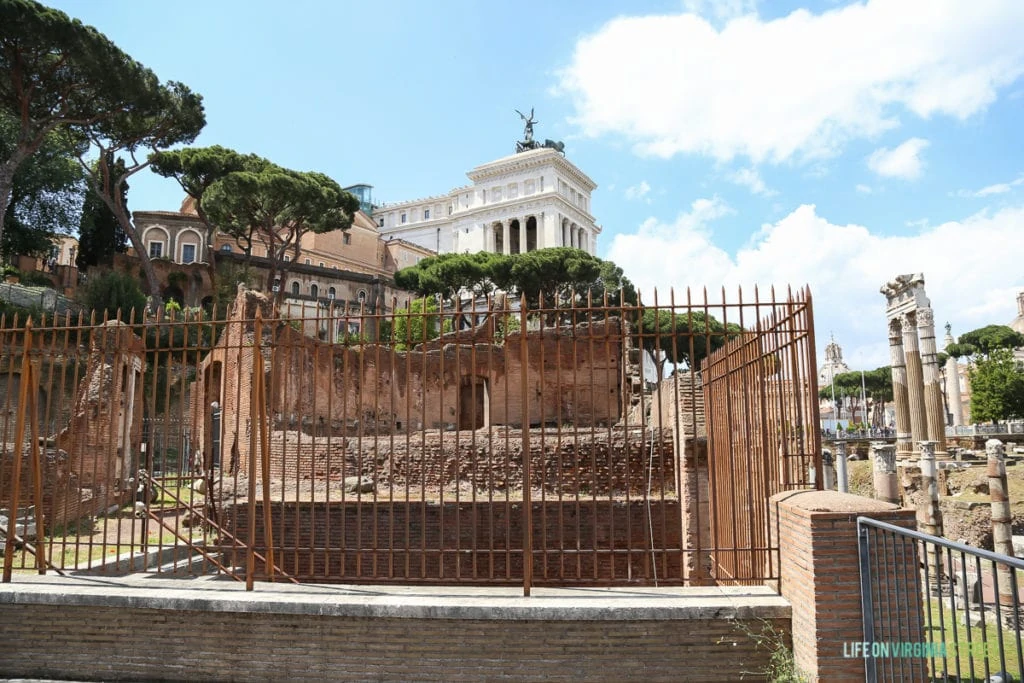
(419, 602)
(807, 503)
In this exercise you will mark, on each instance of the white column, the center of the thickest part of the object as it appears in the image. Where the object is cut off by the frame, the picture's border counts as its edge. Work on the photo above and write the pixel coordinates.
(522, 235)
(572, 235)
(953, 395)
(506, 248)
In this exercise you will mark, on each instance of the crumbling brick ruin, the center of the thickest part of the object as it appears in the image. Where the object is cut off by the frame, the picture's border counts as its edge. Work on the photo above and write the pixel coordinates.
(87, 465)
(104, 434)
(573, 376)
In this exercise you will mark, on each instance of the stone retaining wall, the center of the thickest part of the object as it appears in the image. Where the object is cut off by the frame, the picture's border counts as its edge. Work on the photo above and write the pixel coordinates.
(273, 634)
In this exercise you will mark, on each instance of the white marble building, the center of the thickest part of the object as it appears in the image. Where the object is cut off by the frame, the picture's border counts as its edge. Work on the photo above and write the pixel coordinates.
(530, 200)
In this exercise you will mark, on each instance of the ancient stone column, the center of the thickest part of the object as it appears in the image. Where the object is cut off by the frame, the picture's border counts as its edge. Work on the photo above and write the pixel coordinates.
(915, 380)
(522, 235)
(886, 484)
(904, 444)
(827, 470)
(953, 396)
(506, 243)
(929, 515)
(1002, 539)
(841, 468)
(935, 413)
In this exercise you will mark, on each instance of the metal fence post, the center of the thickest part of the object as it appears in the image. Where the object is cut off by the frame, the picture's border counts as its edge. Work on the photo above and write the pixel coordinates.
(866, 603)
(17, 449)
(525, 439)
(257, 367)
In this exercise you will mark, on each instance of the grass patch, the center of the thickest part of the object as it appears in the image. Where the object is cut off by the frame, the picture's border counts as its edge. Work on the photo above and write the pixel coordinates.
(971, 669)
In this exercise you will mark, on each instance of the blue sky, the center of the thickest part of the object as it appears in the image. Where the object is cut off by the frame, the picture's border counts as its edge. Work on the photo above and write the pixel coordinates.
(734, 142)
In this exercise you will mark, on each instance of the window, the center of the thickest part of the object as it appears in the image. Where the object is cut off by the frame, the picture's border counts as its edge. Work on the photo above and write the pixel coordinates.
(287, 258)
(308, 262)
(188, 253)
(226, 247)
(321, 264)
(426, 214)
(331, 293)
(314, 291)
(346, 238)
(362, 295)
(381, 222)
(403, 217)
(156, 249)
(295, 288)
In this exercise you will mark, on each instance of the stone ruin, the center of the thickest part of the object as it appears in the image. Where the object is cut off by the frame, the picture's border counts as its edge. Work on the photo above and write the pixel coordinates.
(577, 376)
(917, 390)
(88, 466)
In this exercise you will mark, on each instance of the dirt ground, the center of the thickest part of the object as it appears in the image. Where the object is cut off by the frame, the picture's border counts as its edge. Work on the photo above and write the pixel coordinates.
(966, 513)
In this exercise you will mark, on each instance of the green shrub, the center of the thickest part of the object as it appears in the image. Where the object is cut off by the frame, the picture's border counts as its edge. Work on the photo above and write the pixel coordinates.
(113, 291)
(34, 278)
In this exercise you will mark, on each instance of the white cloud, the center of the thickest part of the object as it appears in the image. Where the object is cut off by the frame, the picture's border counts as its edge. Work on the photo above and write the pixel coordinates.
(901, 162)
(989, 190)
(798, 87)
(720, 10)
(864, 189)
(638, 191)
(844, 265)
(751, 179)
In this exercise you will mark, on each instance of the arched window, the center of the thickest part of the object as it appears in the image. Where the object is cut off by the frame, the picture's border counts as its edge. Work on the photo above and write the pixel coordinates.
(331, 293)
(362, 295)
(225, 247)
(295, 288)
(314, 291)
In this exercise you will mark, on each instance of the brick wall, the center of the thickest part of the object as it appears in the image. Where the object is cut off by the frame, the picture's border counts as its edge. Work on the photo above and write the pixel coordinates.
(479, 540)
(135, 642)
(575, 462)
(816, 533)
(62, 496)
(569, 375)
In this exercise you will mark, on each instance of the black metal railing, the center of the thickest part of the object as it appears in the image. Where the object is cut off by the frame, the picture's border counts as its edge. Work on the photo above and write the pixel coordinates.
(937, 610)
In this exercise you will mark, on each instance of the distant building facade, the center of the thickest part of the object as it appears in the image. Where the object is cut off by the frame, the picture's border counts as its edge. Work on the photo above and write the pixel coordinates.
(530, 200)
(351, 270)
(833, 365)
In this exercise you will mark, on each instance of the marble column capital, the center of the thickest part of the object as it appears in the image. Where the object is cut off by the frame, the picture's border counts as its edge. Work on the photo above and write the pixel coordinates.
(995, 450)
(926, 318)
(895, 331)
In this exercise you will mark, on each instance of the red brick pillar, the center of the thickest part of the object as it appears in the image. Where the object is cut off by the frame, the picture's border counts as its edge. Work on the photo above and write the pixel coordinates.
(816, 533)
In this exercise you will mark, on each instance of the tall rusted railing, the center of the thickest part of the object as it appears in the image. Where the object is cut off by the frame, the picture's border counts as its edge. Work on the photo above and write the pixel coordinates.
(763, 438)
(562, 440)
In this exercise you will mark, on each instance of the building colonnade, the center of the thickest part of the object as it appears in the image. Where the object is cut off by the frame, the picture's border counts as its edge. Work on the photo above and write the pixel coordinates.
(525, 233)
(917, 391)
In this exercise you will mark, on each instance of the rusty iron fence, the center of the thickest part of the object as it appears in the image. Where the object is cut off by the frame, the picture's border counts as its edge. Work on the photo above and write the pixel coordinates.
(586, 442)
(762, 390)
